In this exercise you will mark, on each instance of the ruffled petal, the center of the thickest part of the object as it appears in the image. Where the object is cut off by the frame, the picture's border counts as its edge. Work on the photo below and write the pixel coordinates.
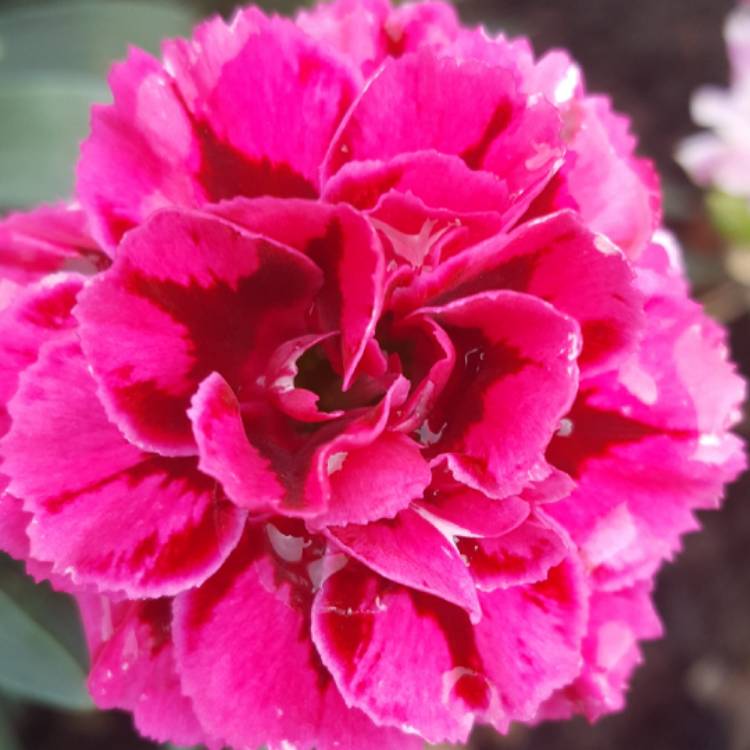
(347, 250)
(617, 622)
(159, 525)
(47, 239)
(281, 693)
(560, 260)
(522, 555)
(466, 108)
(411, 551)
(188, 295)
(225, 452)
(39, 313)
(616, 193)
(413, 661)
(133, 667)
(179, 134)
(489, 424)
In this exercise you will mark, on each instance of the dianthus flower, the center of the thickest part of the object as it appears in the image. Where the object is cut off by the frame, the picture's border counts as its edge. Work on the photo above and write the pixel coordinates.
(357, 398)
(720, 157)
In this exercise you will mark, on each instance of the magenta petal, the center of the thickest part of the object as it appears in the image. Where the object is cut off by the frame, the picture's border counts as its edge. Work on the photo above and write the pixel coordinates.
(617, 622)
(411, 551)
(490, 424)
(167, 314)
(343, 245)
(392, 652)
(134, 160)
(411, 660)
(469, 513)
(281, 694)
(225, 452)
(159, 526)
(296, 89)
(438, 180)
(179, 134)
(424, 102)
(560, 260)
(523, 555)
(367, 472)
(368, 31)
(47, 239)
(13, 523)
(133, 667)
(39, 313)
(374, 481)
(528, 663)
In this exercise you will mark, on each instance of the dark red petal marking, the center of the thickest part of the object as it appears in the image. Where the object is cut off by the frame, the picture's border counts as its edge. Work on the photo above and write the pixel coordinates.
(489, 423)
(188, 295)
(251, 607)
(160, 525)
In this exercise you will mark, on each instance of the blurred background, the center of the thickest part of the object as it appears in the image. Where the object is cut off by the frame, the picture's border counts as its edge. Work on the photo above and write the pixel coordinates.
(693, 692)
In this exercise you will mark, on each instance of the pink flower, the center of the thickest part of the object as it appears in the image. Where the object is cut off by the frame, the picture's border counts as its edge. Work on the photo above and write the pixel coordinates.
(720, 157)
(377, 399)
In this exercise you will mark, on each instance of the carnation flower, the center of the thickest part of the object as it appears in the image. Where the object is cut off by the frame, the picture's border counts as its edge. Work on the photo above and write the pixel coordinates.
(720, 157)
(358, 397)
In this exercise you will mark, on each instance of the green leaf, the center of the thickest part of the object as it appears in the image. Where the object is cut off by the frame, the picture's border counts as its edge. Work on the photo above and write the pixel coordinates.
(36, 663)
(54, 611)
(730, 215)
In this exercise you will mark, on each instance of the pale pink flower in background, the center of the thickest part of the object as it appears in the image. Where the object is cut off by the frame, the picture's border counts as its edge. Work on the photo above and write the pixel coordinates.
(720, 157)
(358, 397)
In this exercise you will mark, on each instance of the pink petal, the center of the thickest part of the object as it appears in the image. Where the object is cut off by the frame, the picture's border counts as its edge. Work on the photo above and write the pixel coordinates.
(614, 192)
(166, 315)
(469, 513)
(180, 134)
(158, 524)
(45, 240)
(618, 621)
(389, 650)
(39, 313)
(368, 472)
(280, 692)
(410, 660)
(626, 522)
(527, 664)
(523, 555)
(489, 424)
(468, 109)
(296, 89)
(420, 235)
(135, 159)
(353, 471)
(343, 245)
(133, 667)
(439, 180)
(411, 551)
(367, 32)
(225, 452)
(13, 522)
(681, 378)
(561, 261)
